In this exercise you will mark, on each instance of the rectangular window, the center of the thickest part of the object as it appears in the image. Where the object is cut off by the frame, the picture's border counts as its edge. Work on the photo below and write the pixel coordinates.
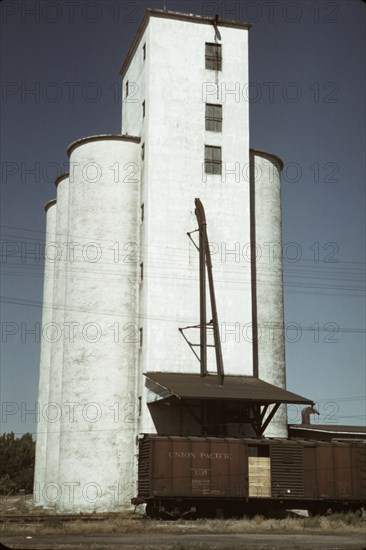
(143, 151)
(213, 163)
(143, 109)
(127, 90)
(213, 117)
(144, 52)
(213, 56)
(142, 212)
(141, 272)
(141, 337)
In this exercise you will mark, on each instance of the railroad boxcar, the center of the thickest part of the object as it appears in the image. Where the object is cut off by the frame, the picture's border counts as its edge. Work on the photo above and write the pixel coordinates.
(212, 477)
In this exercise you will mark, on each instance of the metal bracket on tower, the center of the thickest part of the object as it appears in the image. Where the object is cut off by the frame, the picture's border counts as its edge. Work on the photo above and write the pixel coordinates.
(205, 261)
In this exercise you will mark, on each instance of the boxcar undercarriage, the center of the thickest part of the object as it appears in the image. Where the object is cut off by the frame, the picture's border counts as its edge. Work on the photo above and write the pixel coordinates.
(175, 508)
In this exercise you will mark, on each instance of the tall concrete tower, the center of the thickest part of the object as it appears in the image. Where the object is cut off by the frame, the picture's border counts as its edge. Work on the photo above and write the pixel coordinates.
(195, 138)
(126, 282)
(185, 85)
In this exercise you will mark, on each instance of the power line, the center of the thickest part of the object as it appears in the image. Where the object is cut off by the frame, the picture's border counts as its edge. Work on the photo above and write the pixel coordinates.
(31, 303)
(90, 238)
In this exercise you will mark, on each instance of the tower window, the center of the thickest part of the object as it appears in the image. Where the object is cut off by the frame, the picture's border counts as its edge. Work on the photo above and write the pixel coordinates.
(213, 117)
(143, 109)
(143, 151)
(213, 56)
(127, 88)
(141, 337)
(142, 212)
(213, 163)
(141, 272)
(144, 52)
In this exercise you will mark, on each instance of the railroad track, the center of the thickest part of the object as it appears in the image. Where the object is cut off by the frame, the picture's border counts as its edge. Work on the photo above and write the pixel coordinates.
(29, 519)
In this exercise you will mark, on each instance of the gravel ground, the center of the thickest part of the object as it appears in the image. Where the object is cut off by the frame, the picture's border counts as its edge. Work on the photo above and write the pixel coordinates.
(155, 541)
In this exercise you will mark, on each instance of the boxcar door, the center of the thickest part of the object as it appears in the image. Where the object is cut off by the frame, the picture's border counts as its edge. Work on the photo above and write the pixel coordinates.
(259, 471)
(287, 463)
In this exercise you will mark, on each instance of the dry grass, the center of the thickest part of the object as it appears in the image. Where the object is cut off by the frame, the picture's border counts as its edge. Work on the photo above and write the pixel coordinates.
(131, 523)
(16, 505)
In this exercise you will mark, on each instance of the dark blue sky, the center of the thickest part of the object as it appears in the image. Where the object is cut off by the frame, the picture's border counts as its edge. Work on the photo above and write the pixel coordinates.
(307, 73)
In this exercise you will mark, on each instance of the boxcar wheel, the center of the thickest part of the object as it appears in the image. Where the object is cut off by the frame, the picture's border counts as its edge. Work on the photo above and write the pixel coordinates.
(320, 510)
(151, 510)
(326, 511)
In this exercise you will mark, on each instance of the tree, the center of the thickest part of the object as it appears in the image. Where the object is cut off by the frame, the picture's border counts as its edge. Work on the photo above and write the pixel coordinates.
(17, 456)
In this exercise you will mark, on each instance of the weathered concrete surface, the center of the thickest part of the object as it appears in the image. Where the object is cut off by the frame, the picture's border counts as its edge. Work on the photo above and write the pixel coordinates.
(45, 358)
(97, 431)
(269, 284)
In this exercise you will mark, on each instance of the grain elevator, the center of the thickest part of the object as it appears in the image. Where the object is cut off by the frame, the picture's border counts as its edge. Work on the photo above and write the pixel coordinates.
(127, 277)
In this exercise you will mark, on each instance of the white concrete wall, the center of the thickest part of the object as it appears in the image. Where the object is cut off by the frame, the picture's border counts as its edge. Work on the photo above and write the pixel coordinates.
(269, 283)
(45, 361)
(97, 439)
(134, 124)
(175, 86)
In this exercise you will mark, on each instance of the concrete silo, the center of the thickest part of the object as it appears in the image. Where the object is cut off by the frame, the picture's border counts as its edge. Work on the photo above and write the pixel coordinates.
(267, 278)
(53, 414)
(100, 350)
(45, 359)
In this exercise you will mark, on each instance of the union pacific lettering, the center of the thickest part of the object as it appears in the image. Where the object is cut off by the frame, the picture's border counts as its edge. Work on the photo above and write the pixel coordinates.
(202, 455)
(181, 454)
(220, 456)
